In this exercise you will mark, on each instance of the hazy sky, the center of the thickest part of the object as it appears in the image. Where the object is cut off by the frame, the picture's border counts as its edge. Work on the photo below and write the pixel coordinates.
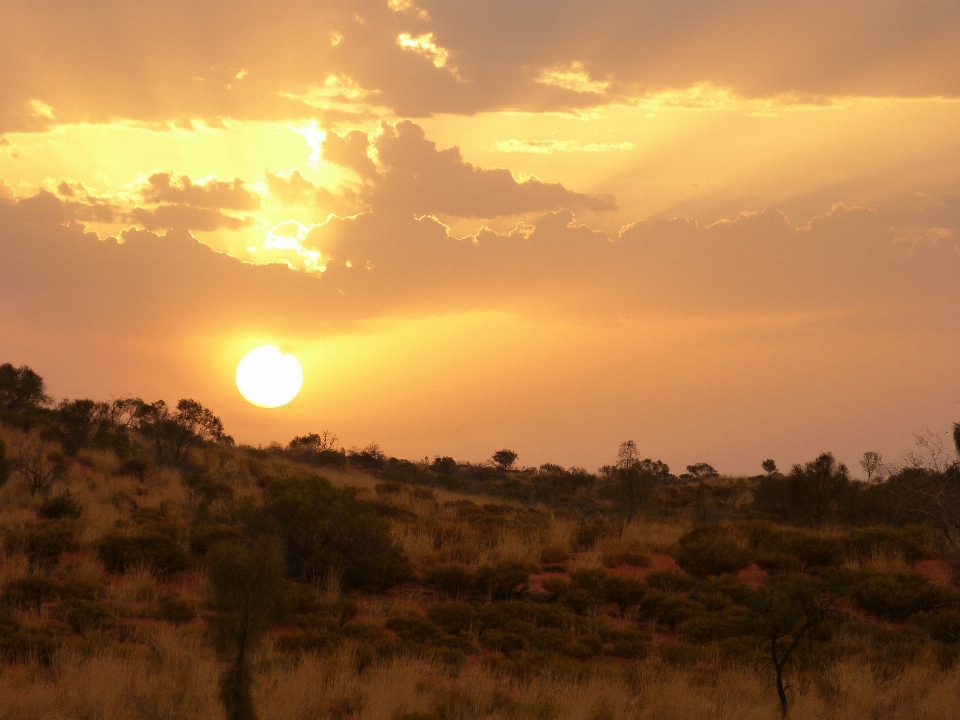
(725, 230)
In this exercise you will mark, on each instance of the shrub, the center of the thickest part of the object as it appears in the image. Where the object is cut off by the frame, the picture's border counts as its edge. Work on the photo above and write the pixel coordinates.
(87, 615)
(59, 506)
(204, 535)
(45, 541)
(898, 595)
(587, 534)
(175, 609)
(669, 608)
(670, 581)
(813, 551)
(455, 580)
(943, 626)
(711, 550)
(499, 581)
(779, 563)
(629, 643)
(36, 643)
(553, 554)
(625, 592)
(454, 617)
(866, 540)
(30, 591)
(119, 551)
(415, 628)
(324, 527)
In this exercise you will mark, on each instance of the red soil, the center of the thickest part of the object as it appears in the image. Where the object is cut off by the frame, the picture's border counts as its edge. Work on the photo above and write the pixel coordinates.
(936, 571)
(753, 575)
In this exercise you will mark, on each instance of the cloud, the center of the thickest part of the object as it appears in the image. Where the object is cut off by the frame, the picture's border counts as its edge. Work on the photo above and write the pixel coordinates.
(846, 267)
(411, 175)
(187, 217)
(163, 187)
(187, 59)
(546, 147)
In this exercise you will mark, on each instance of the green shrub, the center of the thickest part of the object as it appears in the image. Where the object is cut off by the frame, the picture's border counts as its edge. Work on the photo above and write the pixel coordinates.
(898, 595)
(324, 527)
(454, 617)
(455, 580)
(59, 506)
(87, 615)
(204, 535)
(779, 563)
(813, 551)
(730, 586)
(553, 554)
(32, 643)
(175, 609)
(670, 581)
(883, 538)
(587, 534)
(159, 550)
(500, 581)
(415, 628)
(943, 626)
(629, 643)
(625, 592)
(30, 591)
(669, 608)
(711, 550)
(732, 621)
(45, 541)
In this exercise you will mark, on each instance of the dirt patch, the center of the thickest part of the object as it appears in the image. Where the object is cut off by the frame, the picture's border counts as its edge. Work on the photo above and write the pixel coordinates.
(753, 575)
(935, 571)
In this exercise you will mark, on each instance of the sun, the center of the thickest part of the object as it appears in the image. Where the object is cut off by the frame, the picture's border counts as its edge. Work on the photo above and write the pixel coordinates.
(267, 378)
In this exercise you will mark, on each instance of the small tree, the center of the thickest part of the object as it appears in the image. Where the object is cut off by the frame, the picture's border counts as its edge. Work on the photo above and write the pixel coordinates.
(247, 592)
(21, 389)
(505, 459)
(787, 611)
(816, 486)
(633, 479)
(172, 435)
(769, 466)
(315, 442)
(872, 464)
(38, 463)
(702, 470)
(4, 464)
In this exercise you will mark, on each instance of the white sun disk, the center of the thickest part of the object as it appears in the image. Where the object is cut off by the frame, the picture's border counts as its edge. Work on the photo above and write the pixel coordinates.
(267, 378)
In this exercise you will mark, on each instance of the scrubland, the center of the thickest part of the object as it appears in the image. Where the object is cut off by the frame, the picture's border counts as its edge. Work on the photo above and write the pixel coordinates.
(311, 582)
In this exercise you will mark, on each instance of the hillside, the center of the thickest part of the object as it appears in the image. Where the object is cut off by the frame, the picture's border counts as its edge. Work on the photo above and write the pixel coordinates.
(153, 569)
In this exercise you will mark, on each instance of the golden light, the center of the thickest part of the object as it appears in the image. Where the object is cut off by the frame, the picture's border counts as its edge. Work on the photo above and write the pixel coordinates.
(267, 378)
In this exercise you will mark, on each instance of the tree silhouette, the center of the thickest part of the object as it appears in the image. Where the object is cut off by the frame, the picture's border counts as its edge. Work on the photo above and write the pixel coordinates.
(505, 459)
(21, 389)
(787, 611)
(247, 591)
(769, 466)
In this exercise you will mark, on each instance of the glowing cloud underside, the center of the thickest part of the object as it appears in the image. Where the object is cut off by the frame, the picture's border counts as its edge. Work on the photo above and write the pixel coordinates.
(267, 378)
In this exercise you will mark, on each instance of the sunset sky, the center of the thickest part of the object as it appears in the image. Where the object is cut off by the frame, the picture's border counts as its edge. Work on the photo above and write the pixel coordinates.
(725, 230)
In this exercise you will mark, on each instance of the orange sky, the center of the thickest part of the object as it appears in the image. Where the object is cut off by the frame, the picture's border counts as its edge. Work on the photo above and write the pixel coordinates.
(726, 230)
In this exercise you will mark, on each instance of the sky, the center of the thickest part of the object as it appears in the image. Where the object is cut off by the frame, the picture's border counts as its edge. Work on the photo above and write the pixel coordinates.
(727, 231)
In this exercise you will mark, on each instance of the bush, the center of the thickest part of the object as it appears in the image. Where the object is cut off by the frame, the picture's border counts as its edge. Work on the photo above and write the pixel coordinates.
(630, 644)
(943, 626)
(499, 581)
(813, 551)
(625, 592)
(587, 534)
(119, 551)
(59, 506)
(670, 581)
(553, 554)
(779, 563)
(29, 592)
(866, 540)
(455, 580)
(711, 550)
(87, 615)
(669, 608)
(323, 527)
(24, 644)
(899, 595)
(175, 609)
(454, 617)
(415, 628)
(45, 541)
